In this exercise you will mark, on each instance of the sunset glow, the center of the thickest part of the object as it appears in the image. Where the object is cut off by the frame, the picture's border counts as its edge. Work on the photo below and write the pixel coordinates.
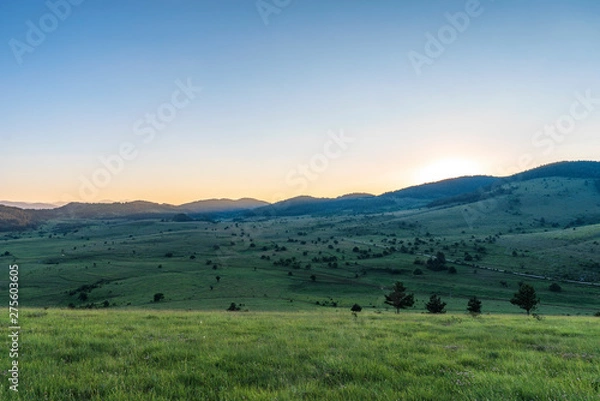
(194, 100)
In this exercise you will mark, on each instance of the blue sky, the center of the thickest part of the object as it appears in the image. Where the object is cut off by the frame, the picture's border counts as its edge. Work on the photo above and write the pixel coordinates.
(274, 95)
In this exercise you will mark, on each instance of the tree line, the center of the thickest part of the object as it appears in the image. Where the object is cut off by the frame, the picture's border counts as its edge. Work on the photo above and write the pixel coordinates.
(525, 298)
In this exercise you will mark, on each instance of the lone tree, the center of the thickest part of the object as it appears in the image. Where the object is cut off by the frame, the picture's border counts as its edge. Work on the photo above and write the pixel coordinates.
(399, 299)
(159, 296)
(356, 308)
(525, 298)
(474, 306)
(435, 305)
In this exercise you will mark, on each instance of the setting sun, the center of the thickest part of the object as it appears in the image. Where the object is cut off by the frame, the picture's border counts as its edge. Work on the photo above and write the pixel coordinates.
(447, 168)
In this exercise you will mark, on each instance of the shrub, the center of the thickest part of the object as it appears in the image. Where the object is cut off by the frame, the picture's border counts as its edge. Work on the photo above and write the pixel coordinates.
(233, 307)
(159, 296)
(356, 308)
(554, 287)
(417, 272)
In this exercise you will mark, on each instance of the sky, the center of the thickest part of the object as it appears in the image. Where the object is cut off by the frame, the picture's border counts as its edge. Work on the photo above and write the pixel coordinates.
(181, 100)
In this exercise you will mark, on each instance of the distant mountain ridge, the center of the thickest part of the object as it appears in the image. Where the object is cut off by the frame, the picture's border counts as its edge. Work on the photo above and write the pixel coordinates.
(30, 205)
(441, 193)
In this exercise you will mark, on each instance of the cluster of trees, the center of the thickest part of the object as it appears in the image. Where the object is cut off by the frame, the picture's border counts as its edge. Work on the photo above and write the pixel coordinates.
(399, 298)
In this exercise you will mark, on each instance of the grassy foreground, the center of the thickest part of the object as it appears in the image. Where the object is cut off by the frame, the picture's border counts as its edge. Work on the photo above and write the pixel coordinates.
(324, 355)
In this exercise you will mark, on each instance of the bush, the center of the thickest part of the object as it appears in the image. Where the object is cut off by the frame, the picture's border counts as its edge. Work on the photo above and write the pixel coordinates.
(417, 272)
(159, 296)
(554, 287)
(356, 308)
(452, 270)
(597, 314)
(233, 307)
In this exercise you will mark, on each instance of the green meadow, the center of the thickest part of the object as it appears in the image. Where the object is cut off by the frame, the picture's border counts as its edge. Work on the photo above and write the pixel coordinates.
(308, 262)
(320, 355)
(93, 328)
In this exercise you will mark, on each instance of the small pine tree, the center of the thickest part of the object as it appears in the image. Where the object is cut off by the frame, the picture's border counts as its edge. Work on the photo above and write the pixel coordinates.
(474, 306)
(435, 305)
(399, 299)
(525, 298)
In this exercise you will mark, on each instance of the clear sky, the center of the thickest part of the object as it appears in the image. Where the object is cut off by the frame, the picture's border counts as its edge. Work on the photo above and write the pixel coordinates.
(175, 101)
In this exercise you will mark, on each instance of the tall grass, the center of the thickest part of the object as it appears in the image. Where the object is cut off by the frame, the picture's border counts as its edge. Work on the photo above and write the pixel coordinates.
(326, 355)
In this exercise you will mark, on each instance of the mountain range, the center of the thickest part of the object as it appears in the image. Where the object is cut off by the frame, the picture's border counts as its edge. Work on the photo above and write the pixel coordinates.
(443, 193)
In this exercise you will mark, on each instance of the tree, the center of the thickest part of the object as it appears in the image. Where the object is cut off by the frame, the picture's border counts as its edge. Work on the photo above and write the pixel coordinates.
(435, 305)
(313, 277)
(159, 296)
(438, 262)
(398, 298)
(218, 278)
(181, 217)
(525, 298)
(474, 306)
(233, 307)
(356, 308)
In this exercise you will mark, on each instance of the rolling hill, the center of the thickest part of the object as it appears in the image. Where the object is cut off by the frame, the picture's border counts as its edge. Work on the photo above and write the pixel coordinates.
(445, 193)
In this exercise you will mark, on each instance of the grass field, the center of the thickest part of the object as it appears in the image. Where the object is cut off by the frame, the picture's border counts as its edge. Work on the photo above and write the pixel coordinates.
(267, 265)
(103, 337)
(324, 355)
